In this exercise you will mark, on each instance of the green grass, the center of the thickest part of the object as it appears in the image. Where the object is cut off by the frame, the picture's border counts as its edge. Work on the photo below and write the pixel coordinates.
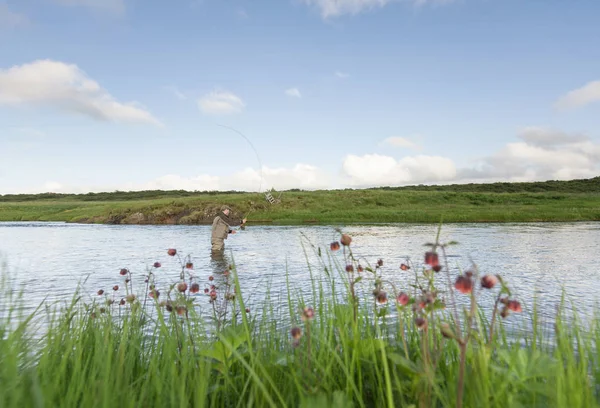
(325, 207)
(354, 352)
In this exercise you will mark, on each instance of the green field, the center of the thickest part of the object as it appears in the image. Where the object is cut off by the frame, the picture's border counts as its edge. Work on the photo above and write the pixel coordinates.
(576, 200)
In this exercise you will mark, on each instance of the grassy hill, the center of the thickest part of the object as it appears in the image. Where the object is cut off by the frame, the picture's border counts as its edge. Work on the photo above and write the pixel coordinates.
(575, 200)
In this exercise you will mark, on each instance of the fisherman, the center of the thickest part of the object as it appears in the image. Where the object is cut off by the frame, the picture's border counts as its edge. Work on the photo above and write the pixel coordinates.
(221, 228)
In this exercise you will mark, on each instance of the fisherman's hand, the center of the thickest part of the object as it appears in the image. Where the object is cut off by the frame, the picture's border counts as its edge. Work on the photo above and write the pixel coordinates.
(233, 231)
(244, 221)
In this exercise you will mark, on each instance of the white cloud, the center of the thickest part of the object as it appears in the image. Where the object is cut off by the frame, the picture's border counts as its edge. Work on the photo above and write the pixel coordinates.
(585, 95)
(221, 103)
(335, 8)
(11, 19)
(112, 6)
(342, 75)
(64, 86)
(542, 154)
(378, 170)
(294, 92)
(402, 142)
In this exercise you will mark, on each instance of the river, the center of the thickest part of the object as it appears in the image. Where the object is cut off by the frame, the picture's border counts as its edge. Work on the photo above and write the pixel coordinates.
(536, 259)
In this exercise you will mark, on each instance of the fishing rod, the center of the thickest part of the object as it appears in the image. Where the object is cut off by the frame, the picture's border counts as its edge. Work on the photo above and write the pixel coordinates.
(257, 158)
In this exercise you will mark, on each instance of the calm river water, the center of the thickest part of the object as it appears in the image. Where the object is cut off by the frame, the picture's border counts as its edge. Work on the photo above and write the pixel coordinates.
(536, 259)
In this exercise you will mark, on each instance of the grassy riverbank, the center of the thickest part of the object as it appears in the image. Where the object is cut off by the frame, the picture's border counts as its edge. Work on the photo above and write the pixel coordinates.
(577, 200)
(373, 344)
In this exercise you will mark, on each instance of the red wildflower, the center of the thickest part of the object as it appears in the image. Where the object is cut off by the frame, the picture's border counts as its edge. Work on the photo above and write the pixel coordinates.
(296, 333)
(431, 258)
(116, 287)
(464, 284)
(189, 265)
(172, 252)
(488, 281)
(421, 323)
(402, 299)
(123, 272)
(346, 239)
(157, 264)
(100, 292)
(515, 306)
(182, 286)
(382, 298)
(334, 246)
(349, 268)
(404, 267)
(195, 288)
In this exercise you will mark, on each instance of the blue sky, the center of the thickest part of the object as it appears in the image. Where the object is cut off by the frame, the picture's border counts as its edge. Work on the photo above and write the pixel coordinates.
(98, 95)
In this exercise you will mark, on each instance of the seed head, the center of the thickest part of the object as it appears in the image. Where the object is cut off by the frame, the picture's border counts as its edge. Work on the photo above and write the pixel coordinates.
(123, 272)
(206, 290)
(195, 288)
(189, 265)
(402, 299)
(308, 313)
(437, 268)
(515, 306)
(380, 262)
(488, 281)
(102, 310)
(130, 298)
(359, 268)
(247, 310)
(504, 313)
(182, 286)
(431, 258)
(382, 298)
(349, 268)
(122, 302)
(157, 264)
(421, 323)
(172, 252)
(100, 292)
(296, 333)
(404, 267)
(116, 287)
(181, 310)
(154, 294)
(334, 246)
(213, 295)
(346, 240)
(211, 278)
(169, 307)
(464, 284)
(129, 280)
(447, 331)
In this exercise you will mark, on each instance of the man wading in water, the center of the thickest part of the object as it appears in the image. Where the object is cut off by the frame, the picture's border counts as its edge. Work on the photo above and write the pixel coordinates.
(221, 228)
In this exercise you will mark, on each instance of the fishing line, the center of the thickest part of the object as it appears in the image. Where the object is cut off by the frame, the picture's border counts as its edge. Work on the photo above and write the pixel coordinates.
(257, 157)
(255, 152)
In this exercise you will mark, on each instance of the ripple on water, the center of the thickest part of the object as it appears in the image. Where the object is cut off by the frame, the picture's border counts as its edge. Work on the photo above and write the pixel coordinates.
(538, 260)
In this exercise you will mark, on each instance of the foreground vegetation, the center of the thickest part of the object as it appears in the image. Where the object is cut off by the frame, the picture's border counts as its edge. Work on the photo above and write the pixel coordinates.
(354, 340)
(577, 200)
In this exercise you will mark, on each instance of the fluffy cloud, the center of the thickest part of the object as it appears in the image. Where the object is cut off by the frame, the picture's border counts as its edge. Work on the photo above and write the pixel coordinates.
(299, 176)
(221, 103)
(64, 86)
(585, 95)
(335, 8)
(401, 142)
(378, 170)
(9, 18)
(293, 92)
(542, 154)
(112, 6)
